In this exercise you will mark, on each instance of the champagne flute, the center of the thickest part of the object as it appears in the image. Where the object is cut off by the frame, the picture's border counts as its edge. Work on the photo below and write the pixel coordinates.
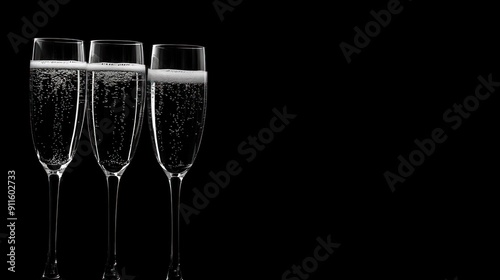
(57, 106)
(177, 83)
(116, 77)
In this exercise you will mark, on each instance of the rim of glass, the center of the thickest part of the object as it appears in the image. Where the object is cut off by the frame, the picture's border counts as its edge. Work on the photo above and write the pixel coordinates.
(179, 46)
(117, 42)
(58, 40)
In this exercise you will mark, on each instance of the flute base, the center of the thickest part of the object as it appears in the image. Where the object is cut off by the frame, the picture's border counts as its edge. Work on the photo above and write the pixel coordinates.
(56, 277)
(51, 272)
(174, 274)
(110, 273)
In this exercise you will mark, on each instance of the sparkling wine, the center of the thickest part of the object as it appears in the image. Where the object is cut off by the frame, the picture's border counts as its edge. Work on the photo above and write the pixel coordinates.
(177, 105)
(57, 105)
(116, 100)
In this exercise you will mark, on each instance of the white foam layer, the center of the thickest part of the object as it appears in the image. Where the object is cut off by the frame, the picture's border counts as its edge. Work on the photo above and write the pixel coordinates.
(105, 66)
(177, 76)
(58, 64)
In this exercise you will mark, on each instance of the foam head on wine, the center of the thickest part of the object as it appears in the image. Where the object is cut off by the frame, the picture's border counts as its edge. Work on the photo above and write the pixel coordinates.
(177, 104)
(57, 105)
(116, 100)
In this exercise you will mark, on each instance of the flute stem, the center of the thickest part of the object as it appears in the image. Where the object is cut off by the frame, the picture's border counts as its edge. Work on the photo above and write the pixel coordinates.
(51, 270)
(174, 270)
(110, 271)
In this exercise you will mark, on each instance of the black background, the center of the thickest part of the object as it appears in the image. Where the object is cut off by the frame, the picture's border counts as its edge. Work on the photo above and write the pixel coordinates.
(321, 176)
